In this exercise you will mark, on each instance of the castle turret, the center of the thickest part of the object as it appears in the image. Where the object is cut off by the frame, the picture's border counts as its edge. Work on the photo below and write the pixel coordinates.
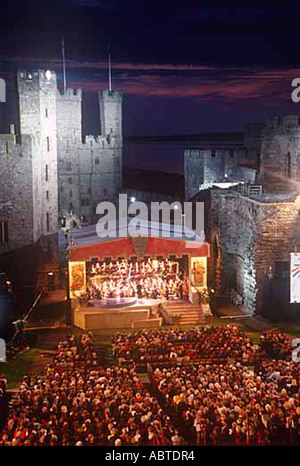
(69, 143)
(69, 115)
(37, 106)
(111, 113)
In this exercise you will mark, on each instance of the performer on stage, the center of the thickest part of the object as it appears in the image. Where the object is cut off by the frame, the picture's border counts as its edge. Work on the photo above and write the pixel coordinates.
(149, 279)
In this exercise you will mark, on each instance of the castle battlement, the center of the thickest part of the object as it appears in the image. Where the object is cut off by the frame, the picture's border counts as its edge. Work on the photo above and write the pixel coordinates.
(10, 138)
(112, 96)
(99, 141)
(91, 140)
(71, 93)
(35, 79)
(286, 121)
(11, 145)
(47, 171)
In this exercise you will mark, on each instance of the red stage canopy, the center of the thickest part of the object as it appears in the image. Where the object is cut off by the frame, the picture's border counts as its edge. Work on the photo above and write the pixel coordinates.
(135, 247)
(165, 240)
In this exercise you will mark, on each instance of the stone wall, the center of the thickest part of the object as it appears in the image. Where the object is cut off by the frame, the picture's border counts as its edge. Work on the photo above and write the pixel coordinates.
(90, 171)
(253, 235)
(193, 172)
(280, 153)
(37, 107)
(111, 113)
(203, 168)
(234, 223)
(16, 195)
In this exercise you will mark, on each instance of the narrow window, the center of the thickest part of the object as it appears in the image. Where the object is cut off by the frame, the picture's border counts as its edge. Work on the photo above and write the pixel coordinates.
(46, 112)
(97, 161)
(288, 165)
(47, 195)
(48, 144)
(48, 221)
(47, 174)
(4, 232)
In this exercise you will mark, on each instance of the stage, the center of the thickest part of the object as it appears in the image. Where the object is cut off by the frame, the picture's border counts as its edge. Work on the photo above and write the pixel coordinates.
(128, 282)
(143, 313)
(116, 313)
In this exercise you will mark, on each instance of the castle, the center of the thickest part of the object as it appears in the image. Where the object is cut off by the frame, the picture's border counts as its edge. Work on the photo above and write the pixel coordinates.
(251, 190)
(50, 175)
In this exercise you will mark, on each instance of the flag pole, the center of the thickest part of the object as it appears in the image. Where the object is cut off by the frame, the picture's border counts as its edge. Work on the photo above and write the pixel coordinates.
(109, 69)
(64, 64)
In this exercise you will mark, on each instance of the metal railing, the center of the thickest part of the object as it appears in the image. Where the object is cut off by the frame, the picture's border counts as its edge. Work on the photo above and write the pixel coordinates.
(249, 190)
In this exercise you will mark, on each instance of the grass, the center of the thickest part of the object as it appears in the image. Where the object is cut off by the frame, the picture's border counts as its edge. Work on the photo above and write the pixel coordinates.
(15, 369)
(293, 329)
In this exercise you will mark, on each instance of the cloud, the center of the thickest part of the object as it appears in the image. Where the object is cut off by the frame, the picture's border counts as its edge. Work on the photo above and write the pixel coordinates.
(167, 80)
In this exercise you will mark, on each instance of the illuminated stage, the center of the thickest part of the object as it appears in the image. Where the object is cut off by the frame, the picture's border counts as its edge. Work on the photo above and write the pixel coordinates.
(120, 263)
(129, 314)
(109, 303)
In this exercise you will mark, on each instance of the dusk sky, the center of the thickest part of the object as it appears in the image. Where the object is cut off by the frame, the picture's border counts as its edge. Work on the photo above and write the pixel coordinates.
(184, 67)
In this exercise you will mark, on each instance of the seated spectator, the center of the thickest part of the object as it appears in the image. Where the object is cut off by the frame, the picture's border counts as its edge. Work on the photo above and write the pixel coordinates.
(76, 402)
(178, 345)
(229, 404)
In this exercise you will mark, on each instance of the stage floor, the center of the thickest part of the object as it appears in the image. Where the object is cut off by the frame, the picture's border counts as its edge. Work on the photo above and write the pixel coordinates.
(117, 303)
(139, 313)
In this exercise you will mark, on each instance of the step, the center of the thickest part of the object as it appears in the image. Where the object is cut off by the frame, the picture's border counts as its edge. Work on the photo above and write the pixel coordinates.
(199, 317)
(185, 311)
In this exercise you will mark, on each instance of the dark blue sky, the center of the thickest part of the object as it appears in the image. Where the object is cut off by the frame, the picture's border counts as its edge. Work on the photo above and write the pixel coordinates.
(185, 67)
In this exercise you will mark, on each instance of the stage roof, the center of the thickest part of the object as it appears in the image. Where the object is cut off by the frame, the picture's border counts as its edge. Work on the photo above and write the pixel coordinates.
(84, 243)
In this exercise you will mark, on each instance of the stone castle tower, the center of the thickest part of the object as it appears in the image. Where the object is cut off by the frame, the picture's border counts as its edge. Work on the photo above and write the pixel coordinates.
(29, 182)
(37, 108)
(90, 168)
(49, 171)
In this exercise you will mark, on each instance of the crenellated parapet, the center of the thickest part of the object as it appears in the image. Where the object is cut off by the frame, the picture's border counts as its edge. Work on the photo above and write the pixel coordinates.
(286, 121)
(71, 93)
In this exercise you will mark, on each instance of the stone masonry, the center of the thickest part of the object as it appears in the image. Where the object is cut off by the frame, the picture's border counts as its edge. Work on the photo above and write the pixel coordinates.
(49, 171)
(90, 170)
(252, 234)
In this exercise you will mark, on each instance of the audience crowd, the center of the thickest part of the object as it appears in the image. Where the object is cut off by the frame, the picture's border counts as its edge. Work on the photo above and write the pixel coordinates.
(76, 403)
(3, 398)
(178, 345)
(276, 344)
(229, 404)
